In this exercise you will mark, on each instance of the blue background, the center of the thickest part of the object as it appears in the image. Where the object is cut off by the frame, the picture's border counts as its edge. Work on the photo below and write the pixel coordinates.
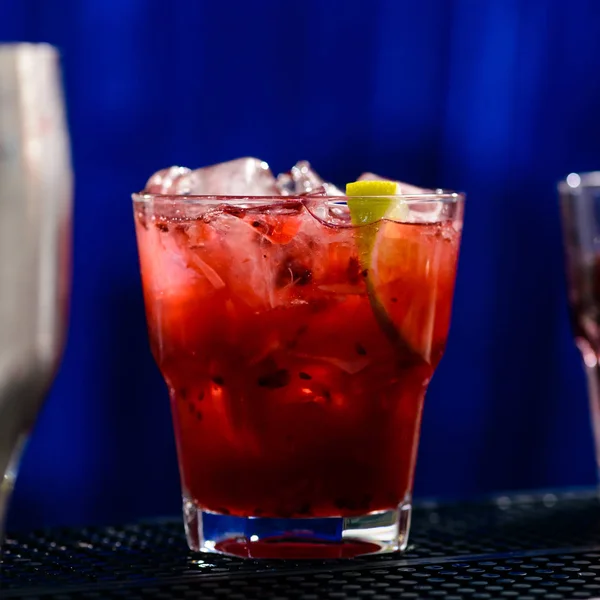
(498, 98)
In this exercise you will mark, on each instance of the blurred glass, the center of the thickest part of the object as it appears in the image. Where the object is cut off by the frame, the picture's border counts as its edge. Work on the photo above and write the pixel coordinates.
(35, 242)
(580, 211)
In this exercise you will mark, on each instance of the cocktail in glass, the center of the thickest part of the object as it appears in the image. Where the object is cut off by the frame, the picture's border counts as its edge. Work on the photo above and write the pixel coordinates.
(297, 348)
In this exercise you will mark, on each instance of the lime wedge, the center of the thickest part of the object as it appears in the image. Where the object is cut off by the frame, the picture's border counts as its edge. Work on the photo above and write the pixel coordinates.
(371, 201)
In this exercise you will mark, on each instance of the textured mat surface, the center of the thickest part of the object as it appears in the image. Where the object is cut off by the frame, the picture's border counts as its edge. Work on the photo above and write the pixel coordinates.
(523, 547)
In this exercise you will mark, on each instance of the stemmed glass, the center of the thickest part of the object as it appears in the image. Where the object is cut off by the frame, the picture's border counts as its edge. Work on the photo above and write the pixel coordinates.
(580, 211)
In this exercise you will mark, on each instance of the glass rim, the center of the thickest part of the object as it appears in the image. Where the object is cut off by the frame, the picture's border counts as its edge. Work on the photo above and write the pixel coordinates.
(445, 196)
(574, 182)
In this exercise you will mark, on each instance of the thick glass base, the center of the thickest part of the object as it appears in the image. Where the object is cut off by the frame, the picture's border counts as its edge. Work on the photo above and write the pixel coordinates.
(315, 538)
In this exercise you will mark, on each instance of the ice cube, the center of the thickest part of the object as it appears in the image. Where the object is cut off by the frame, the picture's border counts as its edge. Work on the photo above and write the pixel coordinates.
(162, 181)
(286, 184)
(303, 179)
(240, 177)
(405, 188)
(329, 212)
(243, 257)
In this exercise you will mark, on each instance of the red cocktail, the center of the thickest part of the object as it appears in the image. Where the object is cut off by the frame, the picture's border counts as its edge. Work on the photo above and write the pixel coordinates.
(297, 349)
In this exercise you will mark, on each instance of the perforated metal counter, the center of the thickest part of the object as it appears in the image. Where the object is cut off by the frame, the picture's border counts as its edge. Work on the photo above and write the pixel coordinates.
(526, 547)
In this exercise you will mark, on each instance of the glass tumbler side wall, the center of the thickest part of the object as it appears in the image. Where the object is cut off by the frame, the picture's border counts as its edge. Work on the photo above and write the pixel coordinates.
(296, 369)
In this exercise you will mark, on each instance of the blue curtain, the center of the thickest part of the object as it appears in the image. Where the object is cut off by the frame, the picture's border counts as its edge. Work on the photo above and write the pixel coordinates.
(498, 98)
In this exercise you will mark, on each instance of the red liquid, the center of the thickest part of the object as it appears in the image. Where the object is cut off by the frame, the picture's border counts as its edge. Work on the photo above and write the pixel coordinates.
(584, 301)
(296, 367)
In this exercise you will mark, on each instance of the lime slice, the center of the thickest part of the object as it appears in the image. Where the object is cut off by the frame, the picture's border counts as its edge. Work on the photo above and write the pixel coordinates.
(371, 201)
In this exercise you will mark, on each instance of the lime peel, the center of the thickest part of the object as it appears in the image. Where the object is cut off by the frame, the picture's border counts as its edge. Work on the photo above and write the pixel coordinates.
(370, 201)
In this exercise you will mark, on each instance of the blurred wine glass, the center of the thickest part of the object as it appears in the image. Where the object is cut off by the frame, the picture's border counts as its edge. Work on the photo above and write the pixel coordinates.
(35, 243)
(580, 212)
